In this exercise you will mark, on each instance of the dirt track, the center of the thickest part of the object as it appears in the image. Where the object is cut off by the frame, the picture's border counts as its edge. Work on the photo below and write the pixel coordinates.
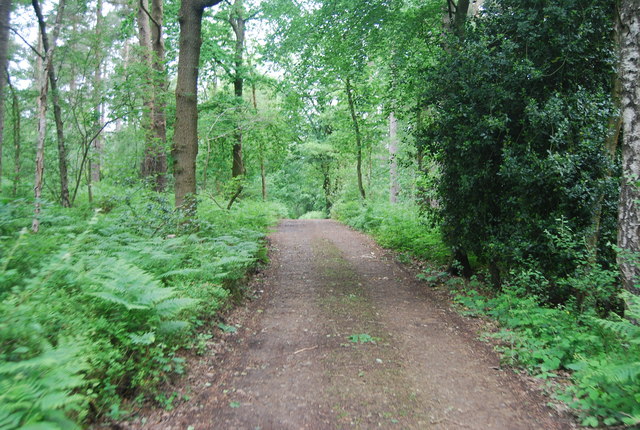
(294, 363)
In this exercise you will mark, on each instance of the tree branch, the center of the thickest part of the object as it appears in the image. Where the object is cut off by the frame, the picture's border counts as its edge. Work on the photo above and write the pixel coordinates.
(157, 24)
(203, 4)
(34, 49)
(252, 16)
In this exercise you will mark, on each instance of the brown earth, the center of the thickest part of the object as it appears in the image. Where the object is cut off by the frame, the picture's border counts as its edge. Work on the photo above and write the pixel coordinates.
(344, 336)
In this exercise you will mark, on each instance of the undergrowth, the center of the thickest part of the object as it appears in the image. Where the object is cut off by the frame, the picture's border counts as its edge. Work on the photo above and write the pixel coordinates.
(94, 307)
(396, 226)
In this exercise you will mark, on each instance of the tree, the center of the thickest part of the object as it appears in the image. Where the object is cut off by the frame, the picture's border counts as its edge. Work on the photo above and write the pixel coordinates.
(629, 211)
(185, 149)
(154, 164)
(5, 17)
(393, 160)
(521, 111)
(55, 95)
(45, 73)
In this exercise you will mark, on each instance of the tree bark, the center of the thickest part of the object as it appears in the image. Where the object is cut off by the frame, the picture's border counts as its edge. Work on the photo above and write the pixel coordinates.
(15, 109)
(5, 20)
(356, 128)
(55, 95)
(237, 21)
(154, 164)
(159, 120)
(42, 134)
(629, 214)
(263, 175)
(98, 143)
(460, 17)
(393, 161)
(185, 149)
(144, 40)
(44, 68)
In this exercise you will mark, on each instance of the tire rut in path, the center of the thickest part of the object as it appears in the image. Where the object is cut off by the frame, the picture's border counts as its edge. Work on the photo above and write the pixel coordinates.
(293, 365)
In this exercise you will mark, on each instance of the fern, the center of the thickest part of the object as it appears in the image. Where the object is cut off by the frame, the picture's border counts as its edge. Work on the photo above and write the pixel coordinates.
(37, 392)
(625, 328)
(171, 307)
(607, 387)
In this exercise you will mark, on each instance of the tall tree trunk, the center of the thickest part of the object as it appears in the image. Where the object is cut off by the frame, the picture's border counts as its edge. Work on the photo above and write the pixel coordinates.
(393, 161)
(154, 164)
(43, 83)
(185, 149)
(460, 17)
(15, 109)
(55, 95)
(629, 213)
(237, 21)
(44, 69)
(159, 120)
(144, 40)
(5, 20)
(263, 175)
(98, 143)
(356, 128)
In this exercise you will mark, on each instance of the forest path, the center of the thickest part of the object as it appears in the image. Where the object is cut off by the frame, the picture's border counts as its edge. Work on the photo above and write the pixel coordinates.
(291, 365)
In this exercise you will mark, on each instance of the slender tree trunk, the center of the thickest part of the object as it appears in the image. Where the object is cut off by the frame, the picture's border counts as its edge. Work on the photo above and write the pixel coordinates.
(44, 69)
(393, 161)
(419, 144)
(5, 20)
(263, 175)
(356, 127)
(144, 40)
(629, 214)
(326, 186)
(43, 83)
(237, 22)
(150, 22)
(55, 95)
(159, 119)
(206, 164)
(15, 109)
(98, 143)
(185, 149)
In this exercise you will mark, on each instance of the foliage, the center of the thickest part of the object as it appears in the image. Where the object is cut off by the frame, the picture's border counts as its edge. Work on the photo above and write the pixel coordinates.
(363, 338)
(395, 226)
(127, 286)
(601, 354)
(608, 385)
(37, 392)
(520, 111)
(313, 215)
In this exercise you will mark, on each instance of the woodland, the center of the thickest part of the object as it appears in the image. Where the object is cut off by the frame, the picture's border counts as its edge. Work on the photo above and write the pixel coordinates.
(146, 148)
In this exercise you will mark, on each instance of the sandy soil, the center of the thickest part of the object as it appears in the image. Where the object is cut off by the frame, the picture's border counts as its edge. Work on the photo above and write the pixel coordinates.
(343, 336)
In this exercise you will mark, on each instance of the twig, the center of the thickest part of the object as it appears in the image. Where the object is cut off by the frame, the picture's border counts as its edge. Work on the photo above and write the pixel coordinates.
(214, 200)
(27, 43)
(305, 349)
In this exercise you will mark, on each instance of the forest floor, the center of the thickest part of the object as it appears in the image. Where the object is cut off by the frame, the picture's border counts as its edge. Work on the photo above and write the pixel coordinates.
(341, 335)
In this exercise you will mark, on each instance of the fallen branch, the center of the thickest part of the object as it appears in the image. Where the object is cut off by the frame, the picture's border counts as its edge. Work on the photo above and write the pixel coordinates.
(305, 349)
